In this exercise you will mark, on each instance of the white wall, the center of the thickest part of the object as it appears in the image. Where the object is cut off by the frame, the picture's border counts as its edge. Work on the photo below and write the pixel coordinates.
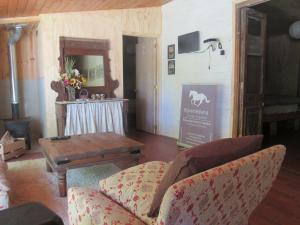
(42, 103)
(213, 19)
(28, 104)
(5, 108)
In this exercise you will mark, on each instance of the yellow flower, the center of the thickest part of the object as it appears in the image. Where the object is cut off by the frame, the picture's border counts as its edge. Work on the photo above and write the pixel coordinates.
(72, 81)
(84, 80)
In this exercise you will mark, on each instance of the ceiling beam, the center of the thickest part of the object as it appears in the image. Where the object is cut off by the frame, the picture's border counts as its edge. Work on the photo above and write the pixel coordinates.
(14, 20)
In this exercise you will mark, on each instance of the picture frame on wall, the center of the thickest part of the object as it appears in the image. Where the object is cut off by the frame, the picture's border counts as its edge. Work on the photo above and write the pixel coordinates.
(171, 51)
(171, 67)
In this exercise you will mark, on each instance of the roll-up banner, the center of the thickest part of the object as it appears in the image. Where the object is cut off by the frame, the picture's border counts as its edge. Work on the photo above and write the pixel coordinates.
(197, 114)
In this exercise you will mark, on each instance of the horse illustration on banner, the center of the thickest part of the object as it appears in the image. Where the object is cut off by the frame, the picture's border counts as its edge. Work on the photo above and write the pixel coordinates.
(198, 98)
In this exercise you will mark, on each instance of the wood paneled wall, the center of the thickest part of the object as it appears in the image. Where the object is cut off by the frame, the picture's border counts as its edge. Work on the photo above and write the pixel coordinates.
(110, 25)
(4, 68)
(26, 55)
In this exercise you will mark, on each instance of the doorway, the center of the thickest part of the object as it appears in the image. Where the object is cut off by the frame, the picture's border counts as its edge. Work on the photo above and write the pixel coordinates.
(140, 82)
(267, 75)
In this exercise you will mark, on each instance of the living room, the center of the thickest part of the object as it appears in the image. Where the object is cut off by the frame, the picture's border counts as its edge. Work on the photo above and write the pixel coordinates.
(49, 32)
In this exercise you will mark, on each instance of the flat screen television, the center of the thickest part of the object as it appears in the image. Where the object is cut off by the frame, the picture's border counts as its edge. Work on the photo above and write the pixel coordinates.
(189, 42)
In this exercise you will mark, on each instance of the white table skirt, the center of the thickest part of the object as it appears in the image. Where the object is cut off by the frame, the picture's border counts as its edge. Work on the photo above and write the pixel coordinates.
(94, 118)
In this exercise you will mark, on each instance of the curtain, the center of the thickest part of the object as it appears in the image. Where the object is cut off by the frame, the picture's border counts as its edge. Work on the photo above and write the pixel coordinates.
(94, 117)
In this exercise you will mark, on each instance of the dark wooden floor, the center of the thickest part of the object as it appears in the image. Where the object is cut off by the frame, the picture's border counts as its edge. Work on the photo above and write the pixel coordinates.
(282, 204)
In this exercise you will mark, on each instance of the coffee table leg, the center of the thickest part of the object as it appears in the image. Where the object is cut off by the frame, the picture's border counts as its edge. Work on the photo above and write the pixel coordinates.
(137, 161)
(48, 167)
(62, 183)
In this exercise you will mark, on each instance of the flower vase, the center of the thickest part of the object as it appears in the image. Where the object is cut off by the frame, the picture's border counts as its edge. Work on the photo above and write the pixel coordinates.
(71, 93)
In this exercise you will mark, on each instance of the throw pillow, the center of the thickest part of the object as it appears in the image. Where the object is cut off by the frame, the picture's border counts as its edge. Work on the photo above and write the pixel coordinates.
(201, 158)
(178, 169)
(209, 155)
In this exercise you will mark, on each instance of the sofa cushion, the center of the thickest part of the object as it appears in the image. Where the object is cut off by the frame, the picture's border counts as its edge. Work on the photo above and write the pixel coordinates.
(86, 206)
(134, 188)
(201, 158)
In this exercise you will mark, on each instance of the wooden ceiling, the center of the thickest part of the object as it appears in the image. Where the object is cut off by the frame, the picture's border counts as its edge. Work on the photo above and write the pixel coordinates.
(281, 14)
(22, 8)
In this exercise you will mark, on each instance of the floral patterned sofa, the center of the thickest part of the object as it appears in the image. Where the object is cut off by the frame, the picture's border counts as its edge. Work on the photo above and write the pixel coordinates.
(4, 187)
(227, 194)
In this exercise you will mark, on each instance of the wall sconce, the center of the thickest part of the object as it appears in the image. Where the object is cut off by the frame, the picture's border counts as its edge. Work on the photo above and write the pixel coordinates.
(295, 30)
(213, 44)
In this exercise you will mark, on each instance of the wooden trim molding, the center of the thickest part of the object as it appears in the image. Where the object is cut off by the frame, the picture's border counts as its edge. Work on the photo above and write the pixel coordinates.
(249, 3)
(13, 20)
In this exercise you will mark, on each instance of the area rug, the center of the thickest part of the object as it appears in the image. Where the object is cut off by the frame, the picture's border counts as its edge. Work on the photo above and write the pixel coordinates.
(80, 177)
(31, 182)
(90, 176)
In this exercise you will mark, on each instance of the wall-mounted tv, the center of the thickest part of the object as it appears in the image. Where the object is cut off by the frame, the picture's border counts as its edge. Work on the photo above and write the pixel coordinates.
(189, 42)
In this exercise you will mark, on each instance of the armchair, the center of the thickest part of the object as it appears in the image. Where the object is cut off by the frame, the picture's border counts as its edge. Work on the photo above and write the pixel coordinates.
(226, 194)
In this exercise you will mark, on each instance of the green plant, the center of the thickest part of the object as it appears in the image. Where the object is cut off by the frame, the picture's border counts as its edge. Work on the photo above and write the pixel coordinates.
(69, 65)
(71, 76)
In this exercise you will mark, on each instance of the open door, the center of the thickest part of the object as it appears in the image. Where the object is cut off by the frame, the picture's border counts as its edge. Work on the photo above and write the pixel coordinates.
(145, 84)
(252, 68)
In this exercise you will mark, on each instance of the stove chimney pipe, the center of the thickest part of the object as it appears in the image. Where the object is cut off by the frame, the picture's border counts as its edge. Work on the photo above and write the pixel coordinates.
(15, 33)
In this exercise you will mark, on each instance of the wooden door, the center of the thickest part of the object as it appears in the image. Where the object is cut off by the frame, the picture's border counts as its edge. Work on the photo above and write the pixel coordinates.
(145, 84)
(253, 44)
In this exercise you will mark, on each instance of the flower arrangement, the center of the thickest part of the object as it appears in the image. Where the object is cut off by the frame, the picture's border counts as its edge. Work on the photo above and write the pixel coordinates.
(71, 76)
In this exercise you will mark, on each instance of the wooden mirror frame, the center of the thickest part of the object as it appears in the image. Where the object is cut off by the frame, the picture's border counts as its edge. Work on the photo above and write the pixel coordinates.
(81, 46)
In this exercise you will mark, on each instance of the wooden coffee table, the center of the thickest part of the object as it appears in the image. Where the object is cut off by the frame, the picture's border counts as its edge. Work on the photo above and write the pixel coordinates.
(87, 150)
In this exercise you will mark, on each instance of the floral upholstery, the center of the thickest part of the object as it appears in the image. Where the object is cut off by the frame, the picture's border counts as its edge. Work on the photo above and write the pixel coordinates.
(90, 207)
(223, 195)
(4, 200)
(134, 188)
(4, 186)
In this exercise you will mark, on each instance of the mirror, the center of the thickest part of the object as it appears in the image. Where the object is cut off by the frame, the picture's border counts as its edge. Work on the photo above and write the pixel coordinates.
(91, 60)
(92, 68)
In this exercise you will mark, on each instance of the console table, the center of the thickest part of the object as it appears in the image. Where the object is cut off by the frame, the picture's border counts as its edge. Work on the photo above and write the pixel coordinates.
(82, 117)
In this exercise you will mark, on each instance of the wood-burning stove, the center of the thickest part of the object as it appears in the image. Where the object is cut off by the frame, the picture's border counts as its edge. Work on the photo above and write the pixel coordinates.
(17, 126)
